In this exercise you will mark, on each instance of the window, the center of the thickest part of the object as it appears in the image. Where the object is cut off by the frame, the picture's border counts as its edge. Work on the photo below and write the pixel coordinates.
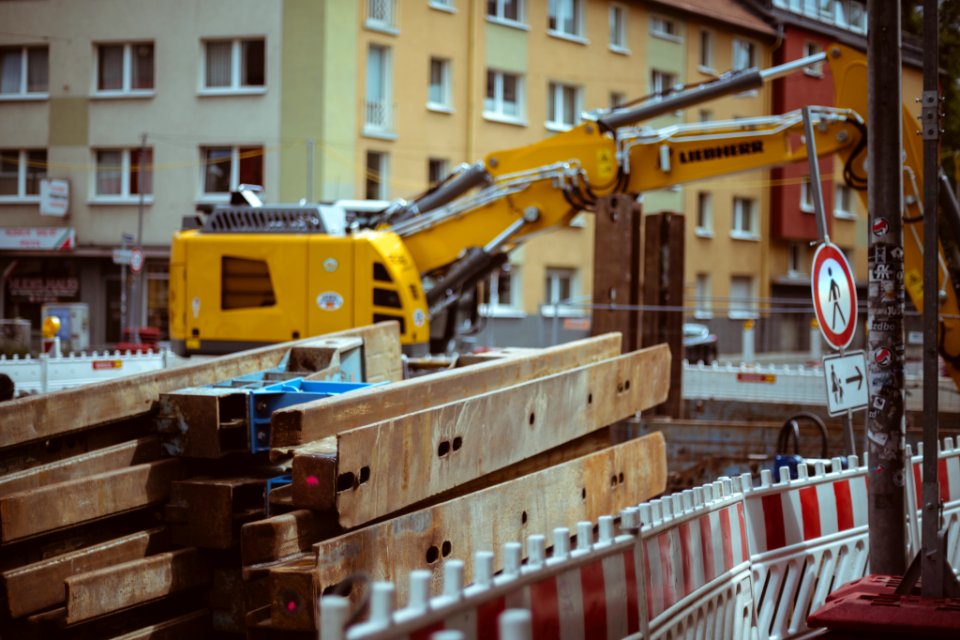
(445, 5)
(437, 170)
(504, 99)
(704, 214)
(234, 66)
(563, 106)
(559, 287)
(795, 260)
(381, 15)
(843, 202)
(815, 69)
(245, 284)
(706, 51)
(375, 183)
(743, 300)
(664, 28)
(21, 171)
(744, 54)
(378, 112)
(661, 83)
(806, 196)
(705, 115)
(618, 28)
(226, 168)
(852, 15)
(23, 72)
(501, 297)
(506, 10)
(744, 219)
(125, 68)
(617, 99)
(565, 18)
(438, 94)
(703, 305)
(123, 173)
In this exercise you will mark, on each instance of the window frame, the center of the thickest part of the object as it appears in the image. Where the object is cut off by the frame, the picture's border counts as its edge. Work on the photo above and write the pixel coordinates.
(704, 214)
(706, 62)
(751, 308)
(806, 196)
(838, 212)
(579, 18)
(702, 296)
(383, 174)
(371, 128)
(387, 25)
(126, 169)
(126, 90)
(21, 196)
(737, 230)
(553, 275)
(23, 92)
(659, 28)
(499, 16)
(498, 115)
(442, 5)
(813, 70)
(659, 74)
(234, 179)
(443, 165)
(556, 102)
(750, 47)
(795, 261)
(618, 28)
(496, 307)
(236, 68)
(446, 85)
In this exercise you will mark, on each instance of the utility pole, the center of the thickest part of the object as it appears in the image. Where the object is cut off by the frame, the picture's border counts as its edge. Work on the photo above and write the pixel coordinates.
(885, 339)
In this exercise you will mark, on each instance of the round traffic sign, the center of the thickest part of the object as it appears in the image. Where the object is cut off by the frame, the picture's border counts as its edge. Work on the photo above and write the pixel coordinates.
(834, 295)
(136, 259)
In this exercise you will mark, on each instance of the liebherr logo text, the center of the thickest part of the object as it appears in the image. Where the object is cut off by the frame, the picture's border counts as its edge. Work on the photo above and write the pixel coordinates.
(723, 151)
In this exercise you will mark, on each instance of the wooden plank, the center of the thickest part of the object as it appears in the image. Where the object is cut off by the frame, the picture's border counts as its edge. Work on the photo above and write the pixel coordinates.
(322, 418)
(208, 512)
(37, 417)
(616, 269)
(190, 625)
(67, 503)
(582, 489)
(111, 589)
(39, 585)
(115, 457)
(385, 467)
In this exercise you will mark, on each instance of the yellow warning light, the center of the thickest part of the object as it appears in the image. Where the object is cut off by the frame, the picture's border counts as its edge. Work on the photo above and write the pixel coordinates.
(51, 326)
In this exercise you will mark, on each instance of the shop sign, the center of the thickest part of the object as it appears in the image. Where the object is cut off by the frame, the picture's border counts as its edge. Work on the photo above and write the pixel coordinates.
(37, 238)
(54, 197)
(43, 289)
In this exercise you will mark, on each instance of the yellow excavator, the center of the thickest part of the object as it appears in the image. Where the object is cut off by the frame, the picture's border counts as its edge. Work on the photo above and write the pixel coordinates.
(247, 275)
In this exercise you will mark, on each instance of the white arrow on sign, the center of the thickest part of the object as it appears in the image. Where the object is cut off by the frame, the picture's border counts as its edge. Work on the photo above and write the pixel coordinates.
(846, 378)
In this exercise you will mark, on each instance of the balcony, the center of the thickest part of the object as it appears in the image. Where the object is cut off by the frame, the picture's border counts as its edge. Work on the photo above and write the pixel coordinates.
(382, 16)
(378, 119)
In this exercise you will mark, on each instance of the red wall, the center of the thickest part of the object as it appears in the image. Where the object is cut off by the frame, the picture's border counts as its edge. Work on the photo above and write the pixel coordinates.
(797, 90)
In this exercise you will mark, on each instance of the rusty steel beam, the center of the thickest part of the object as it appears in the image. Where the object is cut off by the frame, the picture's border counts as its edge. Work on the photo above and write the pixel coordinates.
(583, 489)
(96, 593)
(438, 449)
(60, 505)
(322, 418)
(208, 512)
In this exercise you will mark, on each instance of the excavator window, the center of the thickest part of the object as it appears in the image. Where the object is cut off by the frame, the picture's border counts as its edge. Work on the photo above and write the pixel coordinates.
(386, 298)
(380, 273)
(245, 283)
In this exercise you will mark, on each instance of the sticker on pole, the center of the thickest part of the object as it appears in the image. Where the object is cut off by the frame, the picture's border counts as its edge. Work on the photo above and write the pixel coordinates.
(846, 378)
(834, 295)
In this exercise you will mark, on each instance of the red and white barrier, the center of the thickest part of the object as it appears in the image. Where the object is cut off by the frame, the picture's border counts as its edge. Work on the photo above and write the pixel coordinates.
(948, 470)
(726, 560)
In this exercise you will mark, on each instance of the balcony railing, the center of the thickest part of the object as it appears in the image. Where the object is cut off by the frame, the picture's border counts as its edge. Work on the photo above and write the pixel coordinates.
(378, 117)
(381, 13)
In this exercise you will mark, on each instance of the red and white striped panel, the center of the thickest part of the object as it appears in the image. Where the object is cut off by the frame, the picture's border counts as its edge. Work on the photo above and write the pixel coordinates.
(598, 599)
(789, 515)
(682, 558)
(949, 472)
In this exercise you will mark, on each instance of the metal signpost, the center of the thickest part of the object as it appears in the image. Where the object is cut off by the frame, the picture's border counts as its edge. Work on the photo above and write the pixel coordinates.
(834, 295)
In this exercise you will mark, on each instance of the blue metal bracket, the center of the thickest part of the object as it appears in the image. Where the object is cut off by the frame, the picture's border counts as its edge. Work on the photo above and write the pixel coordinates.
(274, 483)
(265, 400)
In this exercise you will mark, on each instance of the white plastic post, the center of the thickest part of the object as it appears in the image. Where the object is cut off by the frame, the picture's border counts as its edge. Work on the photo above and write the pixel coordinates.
(816, 342)
(516, 624)
(749, 351)
(334, 612)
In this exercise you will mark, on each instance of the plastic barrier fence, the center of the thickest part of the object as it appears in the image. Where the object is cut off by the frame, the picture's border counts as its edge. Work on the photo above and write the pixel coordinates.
(949, 474)
(730, 559)
(53, 373)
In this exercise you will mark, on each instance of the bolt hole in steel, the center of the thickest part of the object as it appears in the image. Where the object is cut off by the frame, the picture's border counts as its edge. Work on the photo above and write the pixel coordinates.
(346, 481)
(433, 554)
(446, 548)
(532, 418)
(626, 385)
(444, 448)
(589, 398)
(583, 493)
(619, 478)
(619, 387)
(523, 518)
(613, 480)
(365, 474)
(457, 443)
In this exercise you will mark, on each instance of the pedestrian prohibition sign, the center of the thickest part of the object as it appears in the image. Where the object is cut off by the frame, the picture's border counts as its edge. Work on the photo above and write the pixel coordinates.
(834, 295)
